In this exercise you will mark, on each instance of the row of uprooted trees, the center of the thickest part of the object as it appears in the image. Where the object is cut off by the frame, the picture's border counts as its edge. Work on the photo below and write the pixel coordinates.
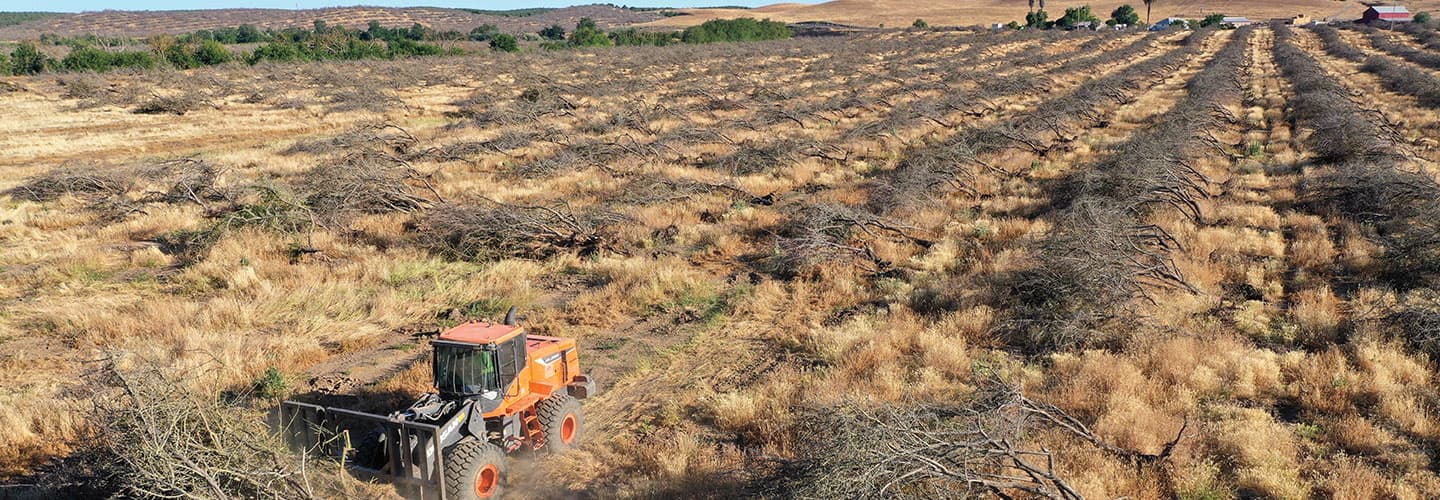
(1103, 257)
(1395, 76)
(931, 173)
(1370, 178)
(1105, 254)
(1382, 40)
(895, 98)
(372, 174)
(1108, 274)
(813, 234)
(375, 174)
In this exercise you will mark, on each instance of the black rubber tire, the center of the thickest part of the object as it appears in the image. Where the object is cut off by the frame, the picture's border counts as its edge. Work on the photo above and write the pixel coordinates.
(467, 463)
(554, 412)
(370, 450)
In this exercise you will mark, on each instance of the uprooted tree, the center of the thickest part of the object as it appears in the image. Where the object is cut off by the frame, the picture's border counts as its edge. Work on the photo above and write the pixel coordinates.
(367, 182)
(944, 451)
(153, 435)
(493, 230)
(827, 232)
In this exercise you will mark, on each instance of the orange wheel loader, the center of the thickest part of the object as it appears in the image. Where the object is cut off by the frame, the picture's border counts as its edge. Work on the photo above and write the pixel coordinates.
(497, 390)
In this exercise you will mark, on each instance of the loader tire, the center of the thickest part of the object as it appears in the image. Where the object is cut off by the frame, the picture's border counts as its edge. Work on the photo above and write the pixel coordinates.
(370, 450)
(563, 420)
(474, 470)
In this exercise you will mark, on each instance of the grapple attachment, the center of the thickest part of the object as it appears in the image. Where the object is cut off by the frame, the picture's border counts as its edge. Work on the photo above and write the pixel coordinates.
(409, 453)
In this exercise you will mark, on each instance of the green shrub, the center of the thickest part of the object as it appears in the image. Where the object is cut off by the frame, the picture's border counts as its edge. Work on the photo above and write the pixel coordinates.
(248, 34)
(587, 34)
(278, 52)
(4, 65)
(211, 53)
(180, 56)
(405, 47)
(132, 59)
(920, 23)
(636, 37)
(484, 32)
(1038, 19)
(27, 60)
(86, 59)
(736, 30)
(340, 43)
(554, 32)
(1423, 18)
(504, 42)
(1125, 14)
(356, 49)
(99, 60)
(1212, 20)
(272, 385)
(1076, 15)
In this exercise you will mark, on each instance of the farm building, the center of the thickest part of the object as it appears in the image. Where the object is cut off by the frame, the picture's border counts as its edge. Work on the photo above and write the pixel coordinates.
(1299, 20)
(1386, 14)
(1168, 23)
(1236, 21)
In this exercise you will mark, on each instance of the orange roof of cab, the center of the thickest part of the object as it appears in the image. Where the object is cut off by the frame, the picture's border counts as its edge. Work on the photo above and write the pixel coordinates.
(479, 333)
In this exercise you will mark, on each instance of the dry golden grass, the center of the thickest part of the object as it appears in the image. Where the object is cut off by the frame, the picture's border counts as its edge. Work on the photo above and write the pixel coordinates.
(708, 355)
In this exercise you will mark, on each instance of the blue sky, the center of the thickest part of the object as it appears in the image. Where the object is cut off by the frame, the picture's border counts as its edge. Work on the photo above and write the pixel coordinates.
(91, 5)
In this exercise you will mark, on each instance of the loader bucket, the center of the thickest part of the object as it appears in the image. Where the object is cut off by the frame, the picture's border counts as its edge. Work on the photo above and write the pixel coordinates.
(414, 460)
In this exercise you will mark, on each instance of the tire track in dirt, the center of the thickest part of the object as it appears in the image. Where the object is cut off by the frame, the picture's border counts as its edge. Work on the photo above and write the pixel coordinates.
(1270, 239)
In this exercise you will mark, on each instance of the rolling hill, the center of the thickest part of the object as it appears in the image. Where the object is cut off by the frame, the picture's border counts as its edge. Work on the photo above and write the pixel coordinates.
(142, 23)
(896, 13)
(871, 13)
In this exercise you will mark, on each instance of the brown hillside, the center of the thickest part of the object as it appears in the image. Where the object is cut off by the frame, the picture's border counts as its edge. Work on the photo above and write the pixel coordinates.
(141, 23)
(896, 13)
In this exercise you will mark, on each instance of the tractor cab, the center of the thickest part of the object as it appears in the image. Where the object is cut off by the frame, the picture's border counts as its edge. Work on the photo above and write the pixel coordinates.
(479, 361)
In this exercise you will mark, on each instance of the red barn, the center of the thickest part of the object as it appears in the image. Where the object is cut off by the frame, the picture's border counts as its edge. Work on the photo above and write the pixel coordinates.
(1386, 13)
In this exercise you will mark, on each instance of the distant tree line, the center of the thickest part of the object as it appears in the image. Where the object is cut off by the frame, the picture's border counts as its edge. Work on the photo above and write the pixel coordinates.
(207, 48)
(1124, 15)
(324, 42)
(512, 12)
(13, 18)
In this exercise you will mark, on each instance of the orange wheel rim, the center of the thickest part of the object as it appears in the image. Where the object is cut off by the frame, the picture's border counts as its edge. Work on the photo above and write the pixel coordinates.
(567, 429)
(486, 481)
